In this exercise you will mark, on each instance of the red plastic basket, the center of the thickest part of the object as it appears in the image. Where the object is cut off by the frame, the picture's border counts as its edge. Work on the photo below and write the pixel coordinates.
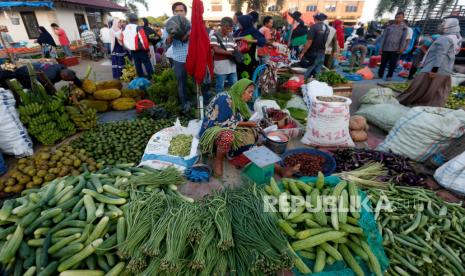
(144, 104)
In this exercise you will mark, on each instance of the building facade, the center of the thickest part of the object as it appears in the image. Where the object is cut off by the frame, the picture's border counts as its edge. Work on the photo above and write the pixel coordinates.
(23, 21)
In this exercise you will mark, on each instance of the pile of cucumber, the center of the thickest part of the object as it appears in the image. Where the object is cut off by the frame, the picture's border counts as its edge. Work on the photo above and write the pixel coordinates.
(70, 225)
(322, 223)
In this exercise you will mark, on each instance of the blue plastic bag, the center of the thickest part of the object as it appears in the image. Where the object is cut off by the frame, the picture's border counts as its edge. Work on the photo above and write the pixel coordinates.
(139, 83)
(353, 77)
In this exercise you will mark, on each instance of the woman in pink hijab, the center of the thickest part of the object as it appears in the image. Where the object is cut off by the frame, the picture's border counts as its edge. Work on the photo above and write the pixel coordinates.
(338, 25)
(118, 53)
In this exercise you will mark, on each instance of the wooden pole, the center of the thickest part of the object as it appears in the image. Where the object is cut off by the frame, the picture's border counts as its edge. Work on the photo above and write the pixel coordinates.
(5, 46)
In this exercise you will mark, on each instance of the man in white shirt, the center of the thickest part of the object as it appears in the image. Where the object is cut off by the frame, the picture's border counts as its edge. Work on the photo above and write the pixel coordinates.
(409, 36)
(105, 37)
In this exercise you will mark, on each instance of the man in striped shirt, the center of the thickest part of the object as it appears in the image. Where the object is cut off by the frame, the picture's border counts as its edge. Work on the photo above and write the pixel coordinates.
(225, 68)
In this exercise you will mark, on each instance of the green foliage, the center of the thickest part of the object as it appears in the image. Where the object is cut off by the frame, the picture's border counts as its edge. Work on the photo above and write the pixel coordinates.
(164, 91)
(160, 20)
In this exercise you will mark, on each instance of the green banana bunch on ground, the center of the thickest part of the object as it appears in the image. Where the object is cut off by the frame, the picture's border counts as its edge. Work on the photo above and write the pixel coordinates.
(83, 117)
(30, 109)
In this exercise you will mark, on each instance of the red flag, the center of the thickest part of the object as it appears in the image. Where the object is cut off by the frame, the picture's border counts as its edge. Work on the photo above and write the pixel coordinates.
(199, 55)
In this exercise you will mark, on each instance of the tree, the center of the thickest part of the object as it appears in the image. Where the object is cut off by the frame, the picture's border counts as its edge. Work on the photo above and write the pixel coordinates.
(402, 5)
(160, 20)
(131, 5)
(257, 5)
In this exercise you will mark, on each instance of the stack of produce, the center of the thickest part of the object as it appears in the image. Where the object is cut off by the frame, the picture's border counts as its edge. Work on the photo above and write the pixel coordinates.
(129, 71)
(164, 91)
(82, 116)
(332, 78)
(46, 165)
(423, 235)
(71, 223)
(310, 164)
(180, 145)
(122, 141)
(325, 234)
(106, 94)
(456, 99)
(357, 128)
(43, 115)
(399, 169)
(169, 235)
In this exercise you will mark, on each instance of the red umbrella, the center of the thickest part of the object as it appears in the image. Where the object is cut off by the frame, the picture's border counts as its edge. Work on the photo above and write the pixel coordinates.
(199, 55)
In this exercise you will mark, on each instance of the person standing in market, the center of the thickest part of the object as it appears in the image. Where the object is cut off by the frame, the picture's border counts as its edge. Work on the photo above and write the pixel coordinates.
(313, 54)
(419, 53)
(180, 46)
(331, 47)
(89, 39)
(266, 30)
(223, 45)
(433, 85)
(62, 38)
(153, 40)
(236, 22)
(106, 40)
(392, 46)
(359, 50)
(118, 53)
(136, 41)
(297, 35)
(46, 41)
(339, 26)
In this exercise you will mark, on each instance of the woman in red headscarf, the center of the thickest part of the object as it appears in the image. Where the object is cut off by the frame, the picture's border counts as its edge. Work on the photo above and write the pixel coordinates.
(338, 25)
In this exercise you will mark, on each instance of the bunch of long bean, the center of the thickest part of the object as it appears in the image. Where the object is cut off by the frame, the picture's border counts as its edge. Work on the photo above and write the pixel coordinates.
(423, 234)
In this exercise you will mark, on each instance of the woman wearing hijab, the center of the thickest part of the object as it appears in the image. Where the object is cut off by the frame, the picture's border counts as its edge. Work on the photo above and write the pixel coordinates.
(226, 123)
(118, 53)
(248, 34)
(433, 85)
(45, 40)
(338, 25)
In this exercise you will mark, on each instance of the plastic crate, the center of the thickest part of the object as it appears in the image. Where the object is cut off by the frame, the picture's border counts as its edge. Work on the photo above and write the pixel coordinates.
(68, 61)
(329, 166)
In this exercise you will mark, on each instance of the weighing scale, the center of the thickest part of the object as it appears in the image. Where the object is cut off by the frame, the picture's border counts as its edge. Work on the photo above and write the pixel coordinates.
(261, 168)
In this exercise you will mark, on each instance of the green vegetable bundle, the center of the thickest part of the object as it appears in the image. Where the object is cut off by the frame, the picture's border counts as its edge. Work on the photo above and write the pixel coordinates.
(44, 116)
(331, 78)
(456, 99)
(298, 114)
(171, 235)
(122, 141)
(423, 235)
(72, 222)
(328, 230)
(164, 91)
(180, 145)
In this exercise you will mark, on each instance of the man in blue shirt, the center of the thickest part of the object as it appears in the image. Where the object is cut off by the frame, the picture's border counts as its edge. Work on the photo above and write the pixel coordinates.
(179, 55)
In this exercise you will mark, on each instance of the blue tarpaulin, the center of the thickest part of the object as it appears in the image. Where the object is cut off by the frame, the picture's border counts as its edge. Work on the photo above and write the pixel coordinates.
(11, 4)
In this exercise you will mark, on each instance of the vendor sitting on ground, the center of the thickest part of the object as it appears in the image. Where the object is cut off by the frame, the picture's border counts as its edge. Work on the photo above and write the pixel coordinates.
(225, 124)
(53, 72)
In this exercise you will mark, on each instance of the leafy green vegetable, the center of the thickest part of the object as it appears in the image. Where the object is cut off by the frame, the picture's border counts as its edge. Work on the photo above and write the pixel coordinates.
(331, 78)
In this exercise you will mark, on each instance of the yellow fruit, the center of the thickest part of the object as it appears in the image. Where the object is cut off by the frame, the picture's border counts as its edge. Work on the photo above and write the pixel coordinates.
(77, 163)
(10, 181)
(131, 93)
(107, 94)
(89, 86)
(49, 177)
(123, 104)
(37, 180)
(100, 106)
(108, 84)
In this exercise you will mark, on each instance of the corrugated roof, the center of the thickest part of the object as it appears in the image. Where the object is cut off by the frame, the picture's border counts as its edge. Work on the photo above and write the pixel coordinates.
(103, 4)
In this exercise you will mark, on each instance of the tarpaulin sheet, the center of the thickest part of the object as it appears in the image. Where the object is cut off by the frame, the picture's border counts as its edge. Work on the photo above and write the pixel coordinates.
(8, 4)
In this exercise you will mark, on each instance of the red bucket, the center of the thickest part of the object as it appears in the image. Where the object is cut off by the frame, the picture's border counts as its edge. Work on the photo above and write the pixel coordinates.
(144, 104)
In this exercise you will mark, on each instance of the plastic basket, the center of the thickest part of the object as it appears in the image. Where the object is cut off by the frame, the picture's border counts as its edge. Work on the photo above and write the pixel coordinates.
(329, 166)
(144, 104)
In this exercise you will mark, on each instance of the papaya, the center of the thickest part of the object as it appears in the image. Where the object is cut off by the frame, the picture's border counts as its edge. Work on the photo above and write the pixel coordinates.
(108, 84)
(107, 94)
(131, 93)
(123, 104)
(100, 106)
(89, 86)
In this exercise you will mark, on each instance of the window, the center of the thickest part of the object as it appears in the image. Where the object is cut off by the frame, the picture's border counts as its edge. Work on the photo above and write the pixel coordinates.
(217, 8)
(80, 20)
(94, 17)
(330, 8)
(351, 8)
(273, 8)
(311, 8)
(31, 25)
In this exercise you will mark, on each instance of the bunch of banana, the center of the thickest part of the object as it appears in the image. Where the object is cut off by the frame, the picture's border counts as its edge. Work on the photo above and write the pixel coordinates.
(54, 105)
(83, 117)
(30, 109)
(129, 72)
(40, 119)
(50, 137)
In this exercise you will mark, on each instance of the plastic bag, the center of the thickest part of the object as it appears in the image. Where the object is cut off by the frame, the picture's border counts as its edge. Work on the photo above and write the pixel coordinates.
(294, 83)
(156, 153)
(379, 96)
(259, 104)
(297, 102)
(328, 124)
(178, 26)
(424, 131)
(366, 73)
(139, 83)
(313, 89)
(451, 175)
(383, 116)
(14, 139)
